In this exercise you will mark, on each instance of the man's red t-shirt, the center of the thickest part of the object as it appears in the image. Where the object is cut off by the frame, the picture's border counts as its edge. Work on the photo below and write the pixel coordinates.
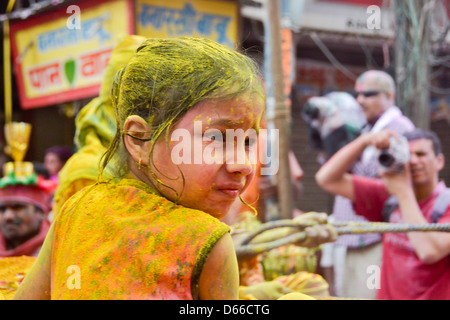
(403, 274)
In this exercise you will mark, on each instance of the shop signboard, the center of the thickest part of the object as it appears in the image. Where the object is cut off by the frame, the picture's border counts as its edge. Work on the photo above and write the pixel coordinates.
(216, 20)
(60, 56)
(373, 18)
(370, 17)
(365, 3)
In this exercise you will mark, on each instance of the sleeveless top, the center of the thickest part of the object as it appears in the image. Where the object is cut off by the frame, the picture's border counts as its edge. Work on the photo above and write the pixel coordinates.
(124, 241)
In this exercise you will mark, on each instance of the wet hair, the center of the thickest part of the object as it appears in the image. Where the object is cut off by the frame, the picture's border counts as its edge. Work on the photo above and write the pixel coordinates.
(418, 133)
(168, 77)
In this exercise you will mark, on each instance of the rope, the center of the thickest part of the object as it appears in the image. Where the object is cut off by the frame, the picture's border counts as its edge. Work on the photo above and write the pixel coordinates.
(272, 225)
(258, 248)
(353, 227)
(383, 227)
(341, 228)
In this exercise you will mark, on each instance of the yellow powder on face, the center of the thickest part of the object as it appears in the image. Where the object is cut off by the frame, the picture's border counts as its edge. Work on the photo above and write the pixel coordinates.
(198, 118)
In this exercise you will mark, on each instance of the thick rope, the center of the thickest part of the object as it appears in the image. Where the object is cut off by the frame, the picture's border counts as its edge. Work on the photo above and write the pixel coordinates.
(342, 228)
(272, 225)
(383, 227)
(258, 248)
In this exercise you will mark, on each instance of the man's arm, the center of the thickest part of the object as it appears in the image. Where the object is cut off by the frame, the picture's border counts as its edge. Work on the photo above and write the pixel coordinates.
(333, 176)
(430, 247)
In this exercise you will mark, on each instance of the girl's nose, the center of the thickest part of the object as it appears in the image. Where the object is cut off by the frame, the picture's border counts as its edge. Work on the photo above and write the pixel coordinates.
(237, 160)
(244, 169)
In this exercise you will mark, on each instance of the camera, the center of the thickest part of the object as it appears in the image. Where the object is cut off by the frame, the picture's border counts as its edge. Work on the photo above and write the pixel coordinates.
(393, 158)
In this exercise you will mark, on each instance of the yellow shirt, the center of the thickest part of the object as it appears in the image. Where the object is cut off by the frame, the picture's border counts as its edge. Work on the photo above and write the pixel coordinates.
(123, 241)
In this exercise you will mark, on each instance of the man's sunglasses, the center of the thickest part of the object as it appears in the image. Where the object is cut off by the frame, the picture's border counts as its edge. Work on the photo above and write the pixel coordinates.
(367, 94)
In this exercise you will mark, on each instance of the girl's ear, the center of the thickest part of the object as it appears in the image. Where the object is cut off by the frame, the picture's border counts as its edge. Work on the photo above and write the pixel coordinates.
(137, 139)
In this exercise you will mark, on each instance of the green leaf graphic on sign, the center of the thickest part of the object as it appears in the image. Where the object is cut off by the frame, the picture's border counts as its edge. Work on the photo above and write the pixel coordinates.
(69, 68)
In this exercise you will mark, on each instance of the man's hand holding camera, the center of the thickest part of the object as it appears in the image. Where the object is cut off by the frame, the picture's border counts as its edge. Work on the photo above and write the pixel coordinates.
(395, 172)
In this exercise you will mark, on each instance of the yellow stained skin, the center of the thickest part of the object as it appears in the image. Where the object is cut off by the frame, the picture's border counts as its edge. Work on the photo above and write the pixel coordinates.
(202, 179)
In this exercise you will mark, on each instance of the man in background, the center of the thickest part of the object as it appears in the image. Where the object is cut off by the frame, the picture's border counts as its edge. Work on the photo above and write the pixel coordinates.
(348, 258)
(23, 217)
(415, 265)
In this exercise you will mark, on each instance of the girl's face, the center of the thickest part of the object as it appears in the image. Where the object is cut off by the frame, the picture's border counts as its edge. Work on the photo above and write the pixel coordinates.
(209, 146)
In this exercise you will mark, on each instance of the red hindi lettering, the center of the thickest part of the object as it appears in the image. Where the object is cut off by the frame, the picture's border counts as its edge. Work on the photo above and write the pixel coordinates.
(95, 63)
(46, 76)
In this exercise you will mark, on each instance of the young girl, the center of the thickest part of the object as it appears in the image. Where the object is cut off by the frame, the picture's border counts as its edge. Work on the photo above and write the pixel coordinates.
(153, 232)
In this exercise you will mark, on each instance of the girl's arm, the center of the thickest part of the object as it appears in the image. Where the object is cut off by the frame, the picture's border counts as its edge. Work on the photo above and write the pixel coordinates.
(36, 285)
(219, 279)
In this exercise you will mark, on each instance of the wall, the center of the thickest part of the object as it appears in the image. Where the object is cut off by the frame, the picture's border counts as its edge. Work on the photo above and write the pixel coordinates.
(51, 127)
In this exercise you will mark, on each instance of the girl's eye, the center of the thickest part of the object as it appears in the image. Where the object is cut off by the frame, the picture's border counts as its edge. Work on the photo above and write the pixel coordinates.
(213, 135)
(250, 142)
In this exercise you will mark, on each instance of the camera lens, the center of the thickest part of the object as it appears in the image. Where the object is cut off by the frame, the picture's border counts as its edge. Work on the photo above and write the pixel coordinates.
(386, 159)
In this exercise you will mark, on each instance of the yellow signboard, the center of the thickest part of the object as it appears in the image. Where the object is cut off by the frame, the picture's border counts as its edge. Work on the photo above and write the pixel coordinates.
(61, 55)
(216, 20)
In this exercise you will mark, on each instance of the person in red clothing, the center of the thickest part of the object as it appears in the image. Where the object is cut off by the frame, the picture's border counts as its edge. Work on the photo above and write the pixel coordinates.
(416, 265)
(23, 216)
